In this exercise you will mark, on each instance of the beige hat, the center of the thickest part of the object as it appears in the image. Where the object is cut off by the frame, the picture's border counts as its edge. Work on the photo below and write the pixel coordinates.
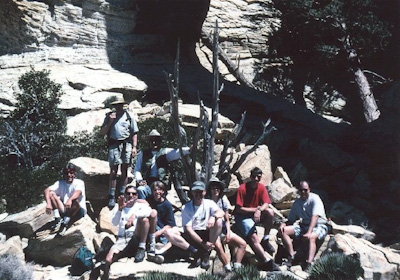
(118, 100)
(154, 133)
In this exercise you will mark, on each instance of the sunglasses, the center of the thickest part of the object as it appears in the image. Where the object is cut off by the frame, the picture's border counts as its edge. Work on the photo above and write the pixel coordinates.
(303, 190)
(130, 193)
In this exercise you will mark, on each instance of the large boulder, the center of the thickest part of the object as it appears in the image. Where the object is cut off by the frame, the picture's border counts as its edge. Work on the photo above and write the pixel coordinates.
(26, 222)
(95, 174)
(378, 263)
(260, 158)
(59, 250)
(13, 246)
(279, 191)
(343, 213)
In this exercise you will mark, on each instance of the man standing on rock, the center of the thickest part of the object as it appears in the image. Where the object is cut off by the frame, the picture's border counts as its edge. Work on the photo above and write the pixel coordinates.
(309, 208)
(202, 223)
(153, 164)
(121, 130)
(251, 209)
(66, 199)
(132, 216)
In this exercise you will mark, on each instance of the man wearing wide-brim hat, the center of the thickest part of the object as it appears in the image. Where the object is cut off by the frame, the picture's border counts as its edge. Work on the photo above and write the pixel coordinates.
(121, 130)
(152, 164)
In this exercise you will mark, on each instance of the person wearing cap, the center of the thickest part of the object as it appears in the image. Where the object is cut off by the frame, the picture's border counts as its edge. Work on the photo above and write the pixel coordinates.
(202, 222)
(215, 191)
(121, 130)
(152, 164)
(66, 200)
(252, 202)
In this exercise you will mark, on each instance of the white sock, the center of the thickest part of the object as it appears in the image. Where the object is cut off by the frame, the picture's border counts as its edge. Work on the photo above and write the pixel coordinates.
(56, 213)
(142, 245)
(66, 220)
(228, 267)
(237, 265)
(152, 237)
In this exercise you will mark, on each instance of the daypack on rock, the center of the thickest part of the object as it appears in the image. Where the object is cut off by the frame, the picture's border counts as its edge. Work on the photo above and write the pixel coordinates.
(82, 261)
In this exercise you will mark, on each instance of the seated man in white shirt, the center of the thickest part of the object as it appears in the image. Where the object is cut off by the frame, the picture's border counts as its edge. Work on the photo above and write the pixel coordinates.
(66, 199)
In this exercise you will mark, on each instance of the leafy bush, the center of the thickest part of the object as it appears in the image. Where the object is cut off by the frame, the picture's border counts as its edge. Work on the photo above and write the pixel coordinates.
(283, 276)
(36, 128)
(159, 275)
(34, 145)
(247, 272)
(12, 268)
(336, 266)
(208, 276)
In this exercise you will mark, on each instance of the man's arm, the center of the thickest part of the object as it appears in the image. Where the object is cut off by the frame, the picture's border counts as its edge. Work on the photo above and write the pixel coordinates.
(134, 144)
(138, 166)
(75, 195)
(49, 207)
(175, 154)
(313, 223)
(108, 121)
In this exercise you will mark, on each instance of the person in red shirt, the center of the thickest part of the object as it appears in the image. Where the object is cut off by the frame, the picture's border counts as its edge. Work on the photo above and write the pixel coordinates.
(252, 202)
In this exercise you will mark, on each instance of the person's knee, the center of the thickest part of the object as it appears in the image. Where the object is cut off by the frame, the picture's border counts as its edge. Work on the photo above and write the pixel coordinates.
(153, 214)
(254, 238)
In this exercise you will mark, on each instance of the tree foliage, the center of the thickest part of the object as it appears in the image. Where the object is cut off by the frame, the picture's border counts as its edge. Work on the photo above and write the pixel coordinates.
(319, 44)
(36, 128)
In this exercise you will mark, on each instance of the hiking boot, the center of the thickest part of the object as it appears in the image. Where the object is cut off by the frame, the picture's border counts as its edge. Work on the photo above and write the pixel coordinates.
(140, 254)
(267, 246)
(56, 225)
(271, 266)
(205, 262)
(62, 230)
(152, 248)
(289, 261)
(306, 266)
(193, 254)
(111, 202)
(159, 259)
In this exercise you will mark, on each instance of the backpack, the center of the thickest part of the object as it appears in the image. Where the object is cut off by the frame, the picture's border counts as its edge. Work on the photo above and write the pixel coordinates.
(82, 261)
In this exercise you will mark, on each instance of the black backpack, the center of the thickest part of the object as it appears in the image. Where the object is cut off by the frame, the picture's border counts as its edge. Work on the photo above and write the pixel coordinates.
(82, 261)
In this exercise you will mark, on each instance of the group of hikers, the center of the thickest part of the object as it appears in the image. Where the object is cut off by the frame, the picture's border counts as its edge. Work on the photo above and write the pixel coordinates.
(144, 216)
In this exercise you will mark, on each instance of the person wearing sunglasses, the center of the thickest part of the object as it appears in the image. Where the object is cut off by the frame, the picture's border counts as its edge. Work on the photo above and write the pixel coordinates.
(132, 216)
(309, 209)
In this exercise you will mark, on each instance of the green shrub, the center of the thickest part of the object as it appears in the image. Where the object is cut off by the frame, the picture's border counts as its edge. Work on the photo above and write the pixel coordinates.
(283, 276)
(247, 272)
(208, 276)
(12, 268)
(336, 266)
(36, 128)
(159, 275)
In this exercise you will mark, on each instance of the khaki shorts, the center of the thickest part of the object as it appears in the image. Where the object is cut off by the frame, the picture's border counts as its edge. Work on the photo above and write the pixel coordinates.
(119, 154)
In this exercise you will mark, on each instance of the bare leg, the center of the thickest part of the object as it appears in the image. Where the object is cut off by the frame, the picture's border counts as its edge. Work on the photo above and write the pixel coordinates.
(220, 252)
(124, 174)
(215, 231)
(113, 176)
(142, 229)
(109, 261)
(312, 247)
(57, 203)
(176, 239)
(267, 219)
(256, 246)
(286, 234)
(238, 242)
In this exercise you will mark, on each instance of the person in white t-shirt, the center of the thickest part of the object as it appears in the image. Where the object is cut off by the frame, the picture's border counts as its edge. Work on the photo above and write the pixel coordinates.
(309, 209)
(202, 222)
(66, 199)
